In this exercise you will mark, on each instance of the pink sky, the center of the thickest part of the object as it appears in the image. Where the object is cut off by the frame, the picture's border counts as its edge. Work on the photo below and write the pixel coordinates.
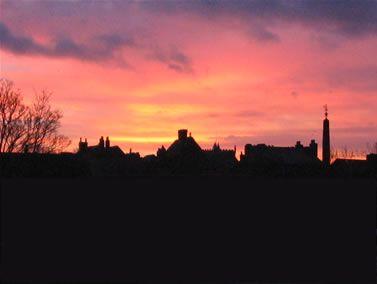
(137, 73)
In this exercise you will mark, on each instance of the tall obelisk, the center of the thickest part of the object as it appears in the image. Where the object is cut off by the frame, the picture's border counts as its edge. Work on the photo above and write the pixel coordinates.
(326, 140)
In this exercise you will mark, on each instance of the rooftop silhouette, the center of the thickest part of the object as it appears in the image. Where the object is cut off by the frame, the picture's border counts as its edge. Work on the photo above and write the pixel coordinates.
(185, 156)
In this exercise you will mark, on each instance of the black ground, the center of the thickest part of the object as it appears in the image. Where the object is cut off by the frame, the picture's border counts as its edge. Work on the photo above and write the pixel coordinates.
(188, 229)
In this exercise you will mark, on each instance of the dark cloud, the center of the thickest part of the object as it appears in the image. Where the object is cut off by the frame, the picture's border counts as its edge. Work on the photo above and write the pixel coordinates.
(258, 18)
(122, 22)
(115, 40)
(98, 48)
(101, 48)
(350, 18)
(18, 44)
(260, 33)
(173, 58)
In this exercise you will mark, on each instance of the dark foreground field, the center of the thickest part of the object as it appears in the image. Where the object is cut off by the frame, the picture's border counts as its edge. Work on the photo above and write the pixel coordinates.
(188, 229)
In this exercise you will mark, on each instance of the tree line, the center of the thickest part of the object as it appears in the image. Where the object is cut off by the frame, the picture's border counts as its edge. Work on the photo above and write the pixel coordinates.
(30, 128)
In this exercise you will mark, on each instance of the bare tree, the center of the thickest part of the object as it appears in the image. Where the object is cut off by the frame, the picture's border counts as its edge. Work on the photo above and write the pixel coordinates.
(42, 124)
(346, 153)
(32, 129)
(12, 112)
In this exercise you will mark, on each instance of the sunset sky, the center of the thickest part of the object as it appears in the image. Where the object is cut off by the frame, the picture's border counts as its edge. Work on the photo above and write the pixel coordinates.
(235, 72)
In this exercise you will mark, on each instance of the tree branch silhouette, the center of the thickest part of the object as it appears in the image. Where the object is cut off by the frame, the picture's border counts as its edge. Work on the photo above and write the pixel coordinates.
(34, 128)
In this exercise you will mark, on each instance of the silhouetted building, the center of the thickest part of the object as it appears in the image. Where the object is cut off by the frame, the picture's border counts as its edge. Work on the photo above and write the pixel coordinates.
(100, 149)
(350, 168)
(326, 140)
(83, 146)
(161, 152)
(297, 155)
(184, 146)
(372, 163)
(183, 156)
(220, 159)
(268, 160)
(105, 160)
(131, 154)
(372, 157)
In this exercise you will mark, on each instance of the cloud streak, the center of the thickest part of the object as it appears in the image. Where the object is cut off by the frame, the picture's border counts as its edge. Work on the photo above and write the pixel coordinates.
(102, 48)
(98, 49)
(173, 58)
(351, 18)
(137, 25)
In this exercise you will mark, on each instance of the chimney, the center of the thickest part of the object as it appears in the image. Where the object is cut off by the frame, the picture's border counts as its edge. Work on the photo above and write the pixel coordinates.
(83, 145)
(314, 148)
(182, 134)
(107, 142)
(101, 143)
(298, 145)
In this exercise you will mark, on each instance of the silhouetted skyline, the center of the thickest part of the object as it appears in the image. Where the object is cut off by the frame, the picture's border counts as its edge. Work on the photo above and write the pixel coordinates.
(184, 156)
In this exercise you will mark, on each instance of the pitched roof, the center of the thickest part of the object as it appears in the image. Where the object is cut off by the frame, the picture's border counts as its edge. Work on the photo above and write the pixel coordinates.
(184, 147)
(113, 151)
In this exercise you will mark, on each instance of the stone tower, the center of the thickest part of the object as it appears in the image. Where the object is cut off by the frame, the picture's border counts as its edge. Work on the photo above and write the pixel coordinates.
(326, 140)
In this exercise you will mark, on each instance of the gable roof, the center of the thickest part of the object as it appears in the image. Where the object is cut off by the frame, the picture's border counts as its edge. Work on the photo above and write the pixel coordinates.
(185, 146)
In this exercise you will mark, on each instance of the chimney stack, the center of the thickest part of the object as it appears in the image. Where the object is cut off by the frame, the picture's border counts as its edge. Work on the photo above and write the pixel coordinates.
(107, 142)
(182, 134)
